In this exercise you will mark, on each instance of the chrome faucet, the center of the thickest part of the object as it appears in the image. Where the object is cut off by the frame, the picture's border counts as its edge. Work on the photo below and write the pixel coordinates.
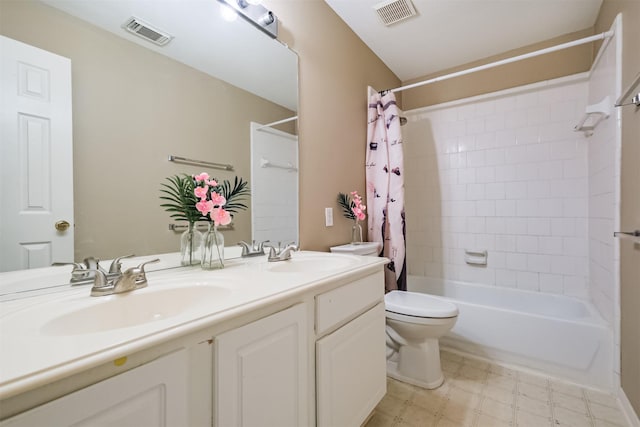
(85, 273)
(281, 255)
(131, 279)
(253, 249)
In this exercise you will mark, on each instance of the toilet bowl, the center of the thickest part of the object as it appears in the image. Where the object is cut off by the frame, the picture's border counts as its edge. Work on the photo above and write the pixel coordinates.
(415, 323)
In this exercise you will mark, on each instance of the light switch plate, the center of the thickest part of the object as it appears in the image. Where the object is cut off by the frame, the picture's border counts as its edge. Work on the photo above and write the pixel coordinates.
(328, 217)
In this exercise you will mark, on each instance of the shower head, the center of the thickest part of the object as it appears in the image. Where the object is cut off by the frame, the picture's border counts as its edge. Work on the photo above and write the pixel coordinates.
(403, 121)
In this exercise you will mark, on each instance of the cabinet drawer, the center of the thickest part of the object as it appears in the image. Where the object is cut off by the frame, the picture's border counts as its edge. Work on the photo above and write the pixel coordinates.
(346, 302)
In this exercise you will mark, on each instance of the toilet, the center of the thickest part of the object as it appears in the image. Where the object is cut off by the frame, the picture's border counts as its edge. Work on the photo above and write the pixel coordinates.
(415, 323)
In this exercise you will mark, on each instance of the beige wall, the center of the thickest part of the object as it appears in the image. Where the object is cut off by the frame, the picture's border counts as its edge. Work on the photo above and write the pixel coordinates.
(127, 118)
(335, 69)
(630, 197)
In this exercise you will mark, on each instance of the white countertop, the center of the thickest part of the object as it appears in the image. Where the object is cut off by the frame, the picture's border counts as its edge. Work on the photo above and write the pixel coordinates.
(34, 352)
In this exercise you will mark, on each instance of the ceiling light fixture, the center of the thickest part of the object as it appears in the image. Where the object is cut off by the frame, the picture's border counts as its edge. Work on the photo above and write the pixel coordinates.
(256, 14)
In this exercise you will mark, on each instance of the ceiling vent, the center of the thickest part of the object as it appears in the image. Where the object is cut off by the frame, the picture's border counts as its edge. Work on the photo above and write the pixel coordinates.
(394, 11)
(146, 31)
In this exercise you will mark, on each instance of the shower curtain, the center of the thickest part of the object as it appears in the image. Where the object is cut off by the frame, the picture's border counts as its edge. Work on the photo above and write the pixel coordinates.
(385, 186)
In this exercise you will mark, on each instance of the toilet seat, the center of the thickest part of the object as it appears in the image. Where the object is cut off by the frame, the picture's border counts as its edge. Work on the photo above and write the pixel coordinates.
(414, 304)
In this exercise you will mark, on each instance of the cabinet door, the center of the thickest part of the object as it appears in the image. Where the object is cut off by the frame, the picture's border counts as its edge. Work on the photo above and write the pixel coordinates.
(261, 373)
(150, 395)
(351, 371)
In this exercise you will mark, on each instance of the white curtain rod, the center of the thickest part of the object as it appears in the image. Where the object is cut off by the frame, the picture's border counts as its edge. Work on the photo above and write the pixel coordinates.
(279, 122)
(589, 39)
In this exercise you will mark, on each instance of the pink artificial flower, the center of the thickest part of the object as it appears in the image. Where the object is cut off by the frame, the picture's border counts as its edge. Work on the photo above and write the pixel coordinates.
(204, 206)
(212, 183)
(201, 192)
(218, 199)
(220, 216)
(358, 208)
(202, 177)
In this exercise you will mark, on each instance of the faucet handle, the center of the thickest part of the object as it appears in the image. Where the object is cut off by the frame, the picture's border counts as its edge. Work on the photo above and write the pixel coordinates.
(291, 247)
(245, 248)
(78, 272)
(116, 265)
(273, 252)
(82, 272)
(101, 285)
(100, 280)
(141, 266)
(138, 273)
(251, 250)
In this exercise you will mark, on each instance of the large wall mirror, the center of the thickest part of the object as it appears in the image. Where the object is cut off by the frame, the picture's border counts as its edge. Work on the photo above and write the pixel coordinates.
(204, 96)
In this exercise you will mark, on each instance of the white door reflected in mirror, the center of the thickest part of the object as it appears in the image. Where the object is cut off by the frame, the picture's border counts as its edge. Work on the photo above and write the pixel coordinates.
(37, 158)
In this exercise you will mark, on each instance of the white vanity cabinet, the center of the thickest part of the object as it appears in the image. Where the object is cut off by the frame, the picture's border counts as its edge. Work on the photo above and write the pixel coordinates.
(350, 360)
(261, 372)
(154, 394)
(300, 354)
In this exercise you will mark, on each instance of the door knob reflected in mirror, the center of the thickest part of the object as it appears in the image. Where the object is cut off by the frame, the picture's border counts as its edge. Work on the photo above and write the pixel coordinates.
(62, 225)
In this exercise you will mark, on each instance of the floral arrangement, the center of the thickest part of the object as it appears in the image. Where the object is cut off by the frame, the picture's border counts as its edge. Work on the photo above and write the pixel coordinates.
(218, 200)
(352, 207)
(202, 198)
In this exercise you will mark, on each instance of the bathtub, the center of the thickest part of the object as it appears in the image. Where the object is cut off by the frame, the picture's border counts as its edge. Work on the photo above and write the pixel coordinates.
(560, 336)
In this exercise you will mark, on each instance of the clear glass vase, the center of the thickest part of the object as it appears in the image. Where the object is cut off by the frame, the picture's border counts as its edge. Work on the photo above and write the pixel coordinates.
(212, 249)
(190, 246)
(356, 233)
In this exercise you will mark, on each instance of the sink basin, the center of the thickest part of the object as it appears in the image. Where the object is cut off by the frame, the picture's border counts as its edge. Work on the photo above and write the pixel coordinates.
(133, 309)
(311, 264)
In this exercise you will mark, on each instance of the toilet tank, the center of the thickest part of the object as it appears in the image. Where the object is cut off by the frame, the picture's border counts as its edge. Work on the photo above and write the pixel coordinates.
(365, 248)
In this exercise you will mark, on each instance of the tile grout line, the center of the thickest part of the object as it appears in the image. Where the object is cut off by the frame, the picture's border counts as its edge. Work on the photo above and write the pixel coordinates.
(592, 417)
(516, 396)
(552, 405)
(514, 406)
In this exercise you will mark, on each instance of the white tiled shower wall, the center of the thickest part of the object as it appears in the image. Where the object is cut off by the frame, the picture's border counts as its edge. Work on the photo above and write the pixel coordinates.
(505, 173)
(604, 172)
(604, 197)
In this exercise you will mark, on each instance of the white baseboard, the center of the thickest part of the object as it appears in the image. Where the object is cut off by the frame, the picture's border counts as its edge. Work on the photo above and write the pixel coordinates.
(627, 409)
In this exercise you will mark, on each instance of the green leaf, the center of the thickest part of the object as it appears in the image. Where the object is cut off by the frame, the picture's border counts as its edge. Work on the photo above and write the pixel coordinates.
(182, 201)
(346, 204)
(235, 194)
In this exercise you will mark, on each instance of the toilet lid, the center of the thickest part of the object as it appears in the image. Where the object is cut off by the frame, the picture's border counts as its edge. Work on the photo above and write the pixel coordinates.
(418, 304)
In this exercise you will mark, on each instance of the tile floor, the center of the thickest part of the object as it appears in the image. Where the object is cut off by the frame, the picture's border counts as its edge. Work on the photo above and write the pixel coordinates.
(480, 394)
